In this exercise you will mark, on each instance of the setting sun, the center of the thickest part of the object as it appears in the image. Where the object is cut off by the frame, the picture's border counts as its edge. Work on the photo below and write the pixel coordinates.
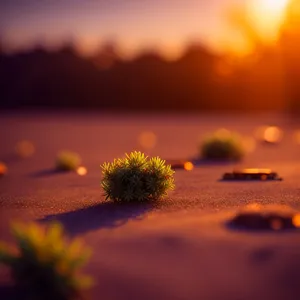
(268, 15)
(275, 5)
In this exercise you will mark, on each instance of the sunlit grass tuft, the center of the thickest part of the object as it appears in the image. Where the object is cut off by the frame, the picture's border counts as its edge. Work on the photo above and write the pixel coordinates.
(136, 178)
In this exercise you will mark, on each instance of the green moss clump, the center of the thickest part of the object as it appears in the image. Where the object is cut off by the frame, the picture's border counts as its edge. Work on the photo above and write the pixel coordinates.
(136, 178)
(67, 161)
(222, 145)
(43, 264)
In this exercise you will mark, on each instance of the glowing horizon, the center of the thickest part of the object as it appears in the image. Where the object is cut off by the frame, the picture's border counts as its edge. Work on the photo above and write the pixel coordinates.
(167, 26)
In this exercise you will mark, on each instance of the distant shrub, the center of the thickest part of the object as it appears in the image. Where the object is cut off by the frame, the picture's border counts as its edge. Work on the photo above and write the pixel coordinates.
(136, 178)
(43, 264)
(222, 145)
(67, 161)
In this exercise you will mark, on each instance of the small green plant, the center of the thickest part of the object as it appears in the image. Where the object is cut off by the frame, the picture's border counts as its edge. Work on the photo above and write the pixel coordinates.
(222, 145)
(136, 178)
(44, 265)
(67, 161)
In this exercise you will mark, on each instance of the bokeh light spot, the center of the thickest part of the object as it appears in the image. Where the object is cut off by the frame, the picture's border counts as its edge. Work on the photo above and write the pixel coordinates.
(81, 171)
(147, 139)
(25, 149)
(273, 134)
(269, 134)
(188, 166)
(3, 169)
(296, 220)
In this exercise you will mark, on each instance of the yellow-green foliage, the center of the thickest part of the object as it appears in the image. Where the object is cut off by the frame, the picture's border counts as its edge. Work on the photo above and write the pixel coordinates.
(136, 178)
(222, 145)
(67, 161)
(44, 264)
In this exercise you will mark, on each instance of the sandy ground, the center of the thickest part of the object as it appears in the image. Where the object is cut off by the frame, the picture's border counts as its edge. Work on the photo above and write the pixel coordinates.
(179, 248)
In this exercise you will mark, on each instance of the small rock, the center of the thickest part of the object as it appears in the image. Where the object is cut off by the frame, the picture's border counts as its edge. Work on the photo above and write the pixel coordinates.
(181, 164)
(267, 217)
(252, 174)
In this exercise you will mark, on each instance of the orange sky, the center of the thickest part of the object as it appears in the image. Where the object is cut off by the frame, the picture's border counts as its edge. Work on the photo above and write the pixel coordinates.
(135, 24)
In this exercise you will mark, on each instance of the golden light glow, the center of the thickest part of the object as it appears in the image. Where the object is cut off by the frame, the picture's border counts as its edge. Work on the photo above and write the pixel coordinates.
(81, 171)
(296, 220)
(3, 169)
(147, 139)
(255, 171)
(253, 206)
(188, 166)
(268, 16)
(223, 133)
(292, 15)
(269, 134)
(273, 134)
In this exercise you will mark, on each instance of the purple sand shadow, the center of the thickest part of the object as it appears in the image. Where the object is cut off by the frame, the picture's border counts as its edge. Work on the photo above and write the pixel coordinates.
(104, 215)
(262, 255)
(212, 162)
(10, 158)
(262, 229)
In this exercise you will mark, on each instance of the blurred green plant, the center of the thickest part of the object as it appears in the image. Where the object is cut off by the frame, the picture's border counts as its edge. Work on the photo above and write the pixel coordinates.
(67, 161)
(222, 145)
(136, 178)
(44, 264)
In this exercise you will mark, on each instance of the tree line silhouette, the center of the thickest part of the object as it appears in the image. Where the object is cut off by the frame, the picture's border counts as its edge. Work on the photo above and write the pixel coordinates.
(267, 79)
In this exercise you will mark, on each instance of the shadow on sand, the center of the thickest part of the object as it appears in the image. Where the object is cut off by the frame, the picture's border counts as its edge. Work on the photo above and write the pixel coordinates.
(104, 215)
(10, 158)
(198, 162)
